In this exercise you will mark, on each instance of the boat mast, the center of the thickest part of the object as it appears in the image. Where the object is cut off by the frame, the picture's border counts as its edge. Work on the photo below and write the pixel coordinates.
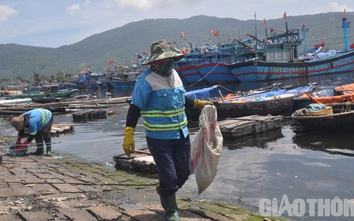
(304, 30)
(345, 26)
(255, 29)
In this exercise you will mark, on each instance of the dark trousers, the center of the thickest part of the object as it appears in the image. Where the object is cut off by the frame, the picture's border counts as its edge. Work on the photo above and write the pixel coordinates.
(44, 134)
(173, 163)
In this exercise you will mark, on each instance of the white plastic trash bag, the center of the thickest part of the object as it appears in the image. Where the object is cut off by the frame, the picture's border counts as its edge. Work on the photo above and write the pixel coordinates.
(206, 148)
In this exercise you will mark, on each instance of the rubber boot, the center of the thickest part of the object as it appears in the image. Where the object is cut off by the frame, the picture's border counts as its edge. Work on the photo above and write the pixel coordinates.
(161, 200)
(49, 150)
(39, 151)
(169, 203)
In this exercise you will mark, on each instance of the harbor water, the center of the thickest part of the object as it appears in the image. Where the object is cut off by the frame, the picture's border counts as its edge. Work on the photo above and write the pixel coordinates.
(284, 162)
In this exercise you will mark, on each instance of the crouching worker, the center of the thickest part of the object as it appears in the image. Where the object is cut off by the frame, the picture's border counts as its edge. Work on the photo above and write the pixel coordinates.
(159, 96)
(38, 122)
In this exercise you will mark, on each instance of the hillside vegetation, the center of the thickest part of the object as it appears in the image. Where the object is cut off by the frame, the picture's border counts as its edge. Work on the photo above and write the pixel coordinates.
(123, 43)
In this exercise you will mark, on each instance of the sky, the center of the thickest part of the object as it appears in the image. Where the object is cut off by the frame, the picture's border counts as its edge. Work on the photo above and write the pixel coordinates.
(54, 23)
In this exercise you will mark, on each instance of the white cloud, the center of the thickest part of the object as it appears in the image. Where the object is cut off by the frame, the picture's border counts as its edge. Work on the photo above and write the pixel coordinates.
(72, 9)
(87, 3)
(340, 8)
(148, 4)
(6, 12)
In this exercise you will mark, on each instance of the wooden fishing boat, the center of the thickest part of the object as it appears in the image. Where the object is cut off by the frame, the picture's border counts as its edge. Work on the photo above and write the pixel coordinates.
(82, 97)
(331, 117)
(123, 80)
(47, 91)
(342, 93)
(15, 101)
(24, 95)
(274, 102)
(46, 100)
(278, 58)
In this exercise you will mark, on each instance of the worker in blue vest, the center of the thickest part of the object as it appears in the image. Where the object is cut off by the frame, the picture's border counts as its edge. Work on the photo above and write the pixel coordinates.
(38, 123)
(159, 97)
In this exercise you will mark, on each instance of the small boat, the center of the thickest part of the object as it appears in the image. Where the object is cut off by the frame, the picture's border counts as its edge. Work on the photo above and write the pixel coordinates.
(328, 117)
(51, 90)
(22, 96)
(276, 101)
(46, 100)
(16, 101)
(342, 93)
(82, 97)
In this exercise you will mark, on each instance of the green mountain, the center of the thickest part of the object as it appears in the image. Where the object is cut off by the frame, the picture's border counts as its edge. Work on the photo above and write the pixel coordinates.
(122, 44)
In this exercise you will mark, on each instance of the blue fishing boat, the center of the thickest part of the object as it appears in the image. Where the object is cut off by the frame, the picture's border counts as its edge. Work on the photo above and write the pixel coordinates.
(278, 58)
(187, 68)
(258, 102)
(124, 80)
(88, 80)
(207, 65)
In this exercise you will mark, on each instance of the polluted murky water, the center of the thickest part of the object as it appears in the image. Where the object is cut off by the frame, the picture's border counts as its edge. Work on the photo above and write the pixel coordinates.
(276, 166)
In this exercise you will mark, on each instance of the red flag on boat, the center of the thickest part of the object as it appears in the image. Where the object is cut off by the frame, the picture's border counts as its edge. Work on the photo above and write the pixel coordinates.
(88, 67)
(216, 34)
(145, 52)
(284, 16)
(182, 34)
(264, 21)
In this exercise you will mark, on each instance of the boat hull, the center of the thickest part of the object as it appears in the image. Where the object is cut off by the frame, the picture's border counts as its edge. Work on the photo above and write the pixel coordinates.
(279, 105)
(216, 73)
(190, 74)
(122, 84)
(255, 70)
(341, 118)
(274, 102)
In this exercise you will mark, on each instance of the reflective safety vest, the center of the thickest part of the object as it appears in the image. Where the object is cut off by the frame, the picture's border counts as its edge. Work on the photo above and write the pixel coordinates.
(37, 119)
(162, 103)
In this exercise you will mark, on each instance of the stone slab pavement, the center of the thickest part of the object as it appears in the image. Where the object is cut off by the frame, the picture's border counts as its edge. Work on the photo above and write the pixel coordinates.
(36, 188)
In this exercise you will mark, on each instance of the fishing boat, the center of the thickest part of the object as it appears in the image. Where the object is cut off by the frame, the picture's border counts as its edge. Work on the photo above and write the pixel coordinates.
(4, 102)
(123, 80)
(88, 80)
(278, 58)
(46, 91)
(53, 91)
(328, 117)
(82, 97)
(341, 93)
(207, 65)
(274, 101)
(46, 100)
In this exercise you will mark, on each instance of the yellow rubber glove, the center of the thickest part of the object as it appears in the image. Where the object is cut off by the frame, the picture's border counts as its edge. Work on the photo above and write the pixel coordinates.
(200, 103)
(128, 143)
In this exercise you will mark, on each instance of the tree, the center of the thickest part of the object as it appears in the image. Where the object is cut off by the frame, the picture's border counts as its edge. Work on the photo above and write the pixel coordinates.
(21, 79)
(36, 78)
(60, 77)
